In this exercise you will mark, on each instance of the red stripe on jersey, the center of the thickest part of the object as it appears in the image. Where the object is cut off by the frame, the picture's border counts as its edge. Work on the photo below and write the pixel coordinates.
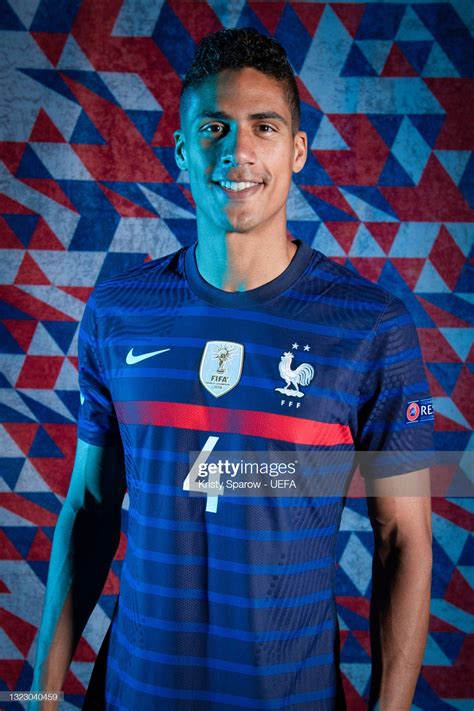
(245, 422)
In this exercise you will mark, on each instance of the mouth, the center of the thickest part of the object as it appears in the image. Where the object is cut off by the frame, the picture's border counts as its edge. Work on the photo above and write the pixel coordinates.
(238, 190)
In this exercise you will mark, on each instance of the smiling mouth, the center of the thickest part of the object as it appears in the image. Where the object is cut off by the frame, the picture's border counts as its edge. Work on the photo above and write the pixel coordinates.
(240, 189)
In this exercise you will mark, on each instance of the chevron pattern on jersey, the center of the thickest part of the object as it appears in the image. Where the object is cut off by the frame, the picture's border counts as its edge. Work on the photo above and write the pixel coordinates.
(89, 188)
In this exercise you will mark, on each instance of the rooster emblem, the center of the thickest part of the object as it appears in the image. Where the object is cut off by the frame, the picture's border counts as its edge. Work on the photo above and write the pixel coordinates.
(302, 375)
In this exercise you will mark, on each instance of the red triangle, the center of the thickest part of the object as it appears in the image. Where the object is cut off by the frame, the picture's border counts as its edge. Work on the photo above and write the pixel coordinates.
(74, 360)
(444, 424)
(125, 207)
(344, 233)
(112, 584)
(188, 195)
(22, 433)
(350, 15)
(11, 153)
(12, 207)
(79, 292)
(438, 625)
(369, 267)
(441, 317)
(44, 130)
(4, 589)
(409, 268)
(309, 15)
(72, 685)
(22, 331)
(44, 238)
(462, 394)
(84, 652)
(52, 44)
(363, 638)
(10, 671)
(435, 347)
(359, 605)
(459, 593)
(332, 195)
(8, 550)
(30, 273)
(384, 233)
(305, 94)
(9, 238)
(51, 189)
(40, 549)
(397, 65)
(436, 389)
(447, 258)
(269, 13)
(20, 632)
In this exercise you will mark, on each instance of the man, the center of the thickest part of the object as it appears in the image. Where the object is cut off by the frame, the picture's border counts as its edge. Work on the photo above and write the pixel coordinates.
(246, 341)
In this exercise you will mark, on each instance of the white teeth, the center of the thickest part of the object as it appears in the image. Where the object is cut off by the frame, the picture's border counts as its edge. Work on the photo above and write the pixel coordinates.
(231, 185)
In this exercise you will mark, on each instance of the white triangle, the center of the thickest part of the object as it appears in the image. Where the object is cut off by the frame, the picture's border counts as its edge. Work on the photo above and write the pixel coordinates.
(8, 518)
(165, 208)
(354, 521)
(30, 480)
(467, 297)
(460, 339)
(49, 399)
(364, 245)
(454, 162)
(463, 234)
(3, 485)
(366, 212)
(438, 65)
(297, 207)
(10, 366)
(327, 244)
(451, 538)
(228, 12)
(67, 378)
(430, 281)
(434, 655)
(8, 446)
(26, 11)
(446, 407)
(43, 343)
(412, 29)
(9, 649)
(328, 138)
(358, 675)
(72, 350)
(72, 57)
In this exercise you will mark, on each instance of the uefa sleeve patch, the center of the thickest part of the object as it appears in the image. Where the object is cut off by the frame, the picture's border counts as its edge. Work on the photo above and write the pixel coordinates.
(419, 411)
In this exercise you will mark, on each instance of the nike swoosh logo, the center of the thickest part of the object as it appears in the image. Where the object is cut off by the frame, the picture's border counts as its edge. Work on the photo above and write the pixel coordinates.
(132, 359)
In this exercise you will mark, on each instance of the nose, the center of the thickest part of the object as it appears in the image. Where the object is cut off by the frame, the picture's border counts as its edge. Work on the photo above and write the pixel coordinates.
(238, 148)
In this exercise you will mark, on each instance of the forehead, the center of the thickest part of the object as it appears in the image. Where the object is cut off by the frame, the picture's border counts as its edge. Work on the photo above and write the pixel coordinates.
(236, 92)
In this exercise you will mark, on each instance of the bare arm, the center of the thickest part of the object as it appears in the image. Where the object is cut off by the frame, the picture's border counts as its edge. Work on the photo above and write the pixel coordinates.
(85, 541)
(401, 587)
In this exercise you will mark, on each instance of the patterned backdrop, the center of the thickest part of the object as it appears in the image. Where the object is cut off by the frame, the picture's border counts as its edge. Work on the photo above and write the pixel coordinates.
(89, 188)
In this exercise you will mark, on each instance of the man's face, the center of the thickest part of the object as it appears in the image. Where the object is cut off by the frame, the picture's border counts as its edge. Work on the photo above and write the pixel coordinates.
(236, 128)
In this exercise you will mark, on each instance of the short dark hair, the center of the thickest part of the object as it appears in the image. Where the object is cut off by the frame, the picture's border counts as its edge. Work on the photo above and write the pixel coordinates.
(236, 48)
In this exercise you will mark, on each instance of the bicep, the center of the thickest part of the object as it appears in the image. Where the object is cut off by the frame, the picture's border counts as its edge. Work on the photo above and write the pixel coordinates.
(98, 477)
(399, 510)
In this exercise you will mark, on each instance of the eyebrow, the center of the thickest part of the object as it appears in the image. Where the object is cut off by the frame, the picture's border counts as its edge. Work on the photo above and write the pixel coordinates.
(262, 115)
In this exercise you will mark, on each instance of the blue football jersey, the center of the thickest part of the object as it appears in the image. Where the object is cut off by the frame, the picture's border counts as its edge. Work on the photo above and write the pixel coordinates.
(228, 602)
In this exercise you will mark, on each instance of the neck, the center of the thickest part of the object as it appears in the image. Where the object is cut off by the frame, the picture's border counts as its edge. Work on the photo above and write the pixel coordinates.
(236, 261)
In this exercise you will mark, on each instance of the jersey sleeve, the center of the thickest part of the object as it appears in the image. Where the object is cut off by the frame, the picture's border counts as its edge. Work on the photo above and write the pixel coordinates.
(97, 421)
(395, 419)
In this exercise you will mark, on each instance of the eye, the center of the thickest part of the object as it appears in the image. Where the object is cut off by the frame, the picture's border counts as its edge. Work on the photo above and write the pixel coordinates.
(209, 128)
(266, 126)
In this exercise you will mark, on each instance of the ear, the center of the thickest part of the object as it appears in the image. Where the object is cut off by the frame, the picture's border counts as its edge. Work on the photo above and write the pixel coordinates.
(300, 151)
(180, 150)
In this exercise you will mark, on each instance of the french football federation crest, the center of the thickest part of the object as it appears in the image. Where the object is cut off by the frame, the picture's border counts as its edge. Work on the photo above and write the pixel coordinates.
(301, 375)
(221, 366)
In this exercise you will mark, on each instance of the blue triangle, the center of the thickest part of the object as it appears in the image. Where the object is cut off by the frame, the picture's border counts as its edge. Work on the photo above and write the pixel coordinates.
(392, 281)
(8, 414)
(166, 156)
(86, 133)
(467, 555)
(372, 196)
(184, 230)
(174, 40)
(417, 53)
(92, 81)
(4, 382)
(31, 166)
(313, 173)
(428, 125)
(9, 311)
(249, 19)
(394, 174)
(146, 122)
(94, 234)
(71, 399)
(21, 536)
(446, 374)
(7, 343)
(23, 226)
(466, 184)
(443, 569)
(453, 304)
(62, 332)
(10, 469)
(55, 16)
(310, 120)
(41, 412)
(466, 279)
(8, 19)
(387, 126)
(44, 446)
(51, 79)
(303, 230)
(45, 499)
(40, 568)
(345, 586)
(120, 262)
(292, 34)
(325, 211)
(172, 193)
(354, 651)
(427, 698)
(380, 21)
(357, 65)
(450, 643)
(132, 192)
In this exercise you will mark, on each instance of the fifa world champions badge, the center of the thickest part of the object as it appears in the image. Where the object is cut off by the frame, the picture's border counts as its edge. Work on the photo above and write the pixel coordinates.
(221, 366)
